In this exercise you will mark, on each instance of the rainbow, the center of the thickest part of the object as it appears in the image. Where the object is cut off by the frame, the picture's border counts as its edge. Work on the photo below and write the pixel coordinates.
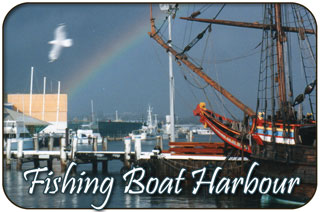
(104, 58)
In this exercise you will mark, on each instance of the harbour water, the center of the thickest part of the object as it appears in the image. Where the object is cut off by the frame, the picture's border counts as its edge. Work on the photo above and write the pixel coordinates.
(16, 189)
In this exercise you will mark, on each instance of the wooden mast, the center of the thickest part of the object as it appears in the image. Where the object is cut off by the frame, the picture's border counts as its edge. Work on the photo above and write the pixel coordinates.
(280, 60)
(248, 25)
(199, 71)
(284, 105)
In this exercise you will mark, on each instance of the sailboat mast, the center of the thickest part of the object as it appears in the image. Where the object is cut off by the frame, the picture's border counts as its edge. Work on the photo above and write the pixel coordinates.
(58, 105)
(31, 85)
(43, 97)
(199, 71)
(169, 9)
(171, 81)
(92, 114)
(117, 116)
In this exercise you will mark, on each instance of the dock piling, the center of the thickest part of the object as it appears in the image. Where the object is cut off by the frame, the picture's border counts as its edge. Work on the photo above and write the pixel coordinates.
(36, 148)
(190, 136)
(127, 151)
(94, 148)
(104, 143)
(67, 136)
(50, 148)
(36, 142)
(20, 153)
(159, 142)
(8, 153)
(50, 142)
(73, 147)
(137, 148)
(104, 148)
(63, 155)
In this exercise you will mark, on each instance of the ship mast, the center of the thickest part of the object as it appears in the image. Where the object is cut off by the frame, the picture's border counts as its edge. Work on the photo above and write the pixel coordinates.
(280, 40)
(181, 57)
(284, 105)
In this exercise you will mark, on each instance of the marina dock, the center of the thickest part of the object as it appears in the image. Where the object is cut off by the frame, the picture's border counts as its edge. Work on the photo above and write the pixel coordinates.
(199, 153)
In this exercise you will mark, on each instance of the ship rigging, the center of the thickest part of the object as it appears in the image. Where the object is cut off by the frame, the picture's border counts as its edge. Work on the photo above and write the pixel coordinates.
(277, 132)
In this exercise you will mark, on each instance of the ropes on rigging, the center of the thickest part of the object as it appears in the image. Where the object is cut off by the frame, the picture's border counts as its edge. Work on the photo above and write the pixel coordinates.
(201, 34)
(308, 62)
(196, 83)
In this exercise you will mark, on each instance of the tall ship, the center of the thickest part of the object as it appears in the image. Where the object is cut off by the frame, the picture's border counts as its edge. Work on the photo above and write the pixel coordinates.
(280, 132)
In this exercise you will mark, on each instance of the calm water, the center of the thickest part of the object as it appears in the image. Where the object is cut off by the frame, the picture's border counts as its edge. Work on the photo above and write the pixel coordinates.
(17, 188)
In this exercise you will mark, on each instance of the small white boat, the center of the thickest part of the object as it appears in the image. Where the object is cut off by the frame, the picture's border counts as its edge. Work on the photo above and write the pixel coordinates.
(85, 133)
(204, 132)
(138, 134)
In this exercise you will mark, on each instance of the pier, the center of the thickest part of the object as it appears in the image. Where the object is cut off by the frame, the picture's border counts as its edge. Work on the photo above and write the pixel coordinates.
(179, 154)
(70, 153)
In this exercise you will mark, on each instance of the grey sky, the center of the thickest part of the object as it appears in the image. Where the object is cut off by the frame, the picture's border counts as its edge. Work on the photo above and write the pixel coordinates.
(130, 78)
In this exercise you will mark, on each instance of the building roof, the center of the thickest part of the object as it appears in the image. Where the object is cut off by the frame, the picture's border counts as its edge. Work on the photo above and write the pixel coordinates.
(33, 125)
(28, 120)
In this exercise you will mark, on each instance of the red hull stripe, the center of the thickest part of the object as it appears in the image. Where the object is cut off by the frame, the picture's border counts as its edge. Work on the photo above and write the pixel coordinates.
(230, 140)
(274, 136)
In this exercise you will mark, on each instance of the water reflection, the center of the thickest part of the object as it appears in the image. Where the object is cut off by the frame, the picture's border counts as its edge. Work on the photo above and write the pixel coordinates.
(17, 188)
(127, 200)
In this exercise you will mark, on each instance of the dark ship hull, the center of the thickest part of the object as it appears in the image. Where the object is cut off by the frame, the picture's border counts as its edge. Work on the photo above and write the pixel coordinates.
(117, 130)
(280, 160)
(294, 157)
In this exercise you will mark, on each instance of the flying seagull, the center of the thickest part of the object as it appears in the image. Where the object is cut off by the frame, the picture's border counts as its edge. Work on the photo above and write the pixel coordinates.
(60, 41)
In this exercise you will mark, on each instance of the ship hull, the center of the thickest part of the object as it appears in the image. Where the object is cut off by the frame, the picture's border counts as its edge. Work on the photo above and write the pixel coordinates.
(220, 126)
(281, 160)
(117, 130)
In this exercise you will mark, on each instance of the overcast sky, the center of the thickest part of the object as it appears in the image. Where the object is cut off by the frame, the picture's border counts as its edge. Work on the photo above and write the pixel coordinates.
(116, 64)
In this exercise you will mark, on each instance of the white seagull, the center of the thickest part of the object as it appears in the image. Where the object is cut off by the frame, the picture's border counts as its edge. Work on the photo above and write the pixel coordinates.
(60, 41)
